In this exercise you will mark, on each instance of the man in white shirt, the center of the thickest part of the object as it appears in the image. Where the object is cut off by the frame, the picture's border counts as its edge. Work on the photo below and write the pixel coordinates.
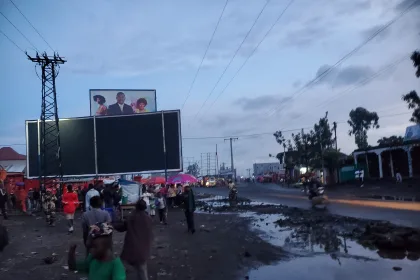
(91, 193)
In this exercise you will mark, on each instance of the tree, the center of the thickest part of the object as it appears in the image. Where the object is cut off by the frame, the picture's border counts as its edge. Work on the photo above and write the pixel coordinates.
(412, 98)
(193, 169)
(391, 141)
(361, 120)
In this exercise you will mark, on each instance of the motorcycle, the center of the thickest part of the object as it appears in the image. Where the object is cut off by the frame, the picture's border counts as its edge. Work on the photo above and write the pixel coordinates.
(233, 194)
(317, 196)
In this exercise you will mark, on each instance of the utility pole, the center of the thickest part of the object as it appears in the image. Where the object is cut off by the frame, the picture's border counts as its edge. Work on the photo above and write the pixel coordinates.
(49, 147)
(231, 155)
(335, 135)
(217, 163)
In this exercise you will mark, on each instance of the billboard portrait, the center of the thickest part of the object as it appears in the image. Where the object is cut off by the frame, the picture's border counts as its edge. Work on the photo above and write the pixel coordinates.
(111, 102)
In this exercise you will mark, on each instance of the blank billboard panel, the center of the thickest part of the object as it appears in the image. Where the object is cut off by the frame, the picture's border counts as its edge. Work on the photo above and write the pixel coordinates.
(130, 144)
(106, 145)
(77, 148)
(173, 140)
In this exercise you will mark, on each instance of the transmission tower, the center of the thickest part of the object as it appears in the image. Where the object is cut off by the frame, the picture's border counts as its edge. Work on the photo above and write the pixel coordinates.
(49, 134)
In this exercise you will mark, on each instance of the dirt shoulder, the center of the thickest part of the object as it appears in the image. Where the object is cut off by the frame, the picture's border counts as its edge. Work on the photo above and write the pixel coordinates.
(222, 248)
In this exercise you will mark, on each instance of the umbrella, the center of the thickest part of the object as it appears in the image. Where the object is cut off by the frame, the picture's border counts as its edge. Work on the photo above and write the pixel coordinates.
(182, 179)
(156, 181)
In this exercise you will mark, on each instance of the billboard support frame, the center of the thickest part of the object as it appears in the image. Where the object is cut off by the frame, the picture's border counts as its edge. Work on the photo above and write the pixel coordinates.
(164, 146)
(95, 145)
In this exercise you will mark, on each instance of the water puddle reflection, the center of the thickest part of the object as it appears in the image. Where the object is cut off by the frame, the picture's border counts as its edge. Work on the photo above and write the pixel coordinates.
(326, 252)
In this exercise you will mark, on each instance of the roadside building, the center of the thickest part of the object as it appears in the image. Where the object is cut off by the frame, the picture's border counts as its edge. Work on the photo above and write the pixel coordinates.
(15, 166)
(266, 168)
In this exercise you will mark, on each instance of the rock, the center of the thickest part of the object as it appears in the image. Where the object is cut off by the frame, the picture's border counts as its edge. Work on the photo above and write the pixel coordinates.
(392, 255)
(412, 256)
(397, 268)
(50, 260)
(389, 242)
(247, 254)
(413, 243)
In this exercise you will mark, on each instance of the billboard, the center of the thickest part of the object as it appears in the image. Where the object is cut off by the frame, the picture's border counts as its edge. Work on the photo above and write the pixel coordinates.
(77, 147)
(412, 133)
(100, 146)
(111, 102)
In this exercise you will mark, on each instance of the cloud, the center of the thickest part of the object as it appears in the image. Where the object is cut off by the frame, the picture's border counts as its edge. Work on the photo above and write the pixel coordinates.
(260, 102)
(344, 76)
(404, 4)
(369, 32)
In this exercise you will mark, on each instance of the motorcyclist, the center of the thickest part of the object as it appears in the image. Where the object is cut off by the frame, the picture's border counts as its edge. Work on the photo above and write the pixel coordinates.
(314, 185)
(231, 185)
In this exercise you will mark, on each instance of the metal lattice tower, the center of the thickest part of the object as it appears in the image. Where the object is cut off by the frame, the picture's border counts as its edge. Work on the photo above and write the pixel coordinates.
(49, 140)
(208, 164)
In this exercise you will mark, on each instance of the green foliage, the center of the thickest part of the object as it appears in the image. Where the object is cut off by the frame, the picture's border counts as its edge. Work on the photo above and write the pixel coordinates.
(309, 149)
(361, 120)
(391, 141)
(412, 98)
(193, 169)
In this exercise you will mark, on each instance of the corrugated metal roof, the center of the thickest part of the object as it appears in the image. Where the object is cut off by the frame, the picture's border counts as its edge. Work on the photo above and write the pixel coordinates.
(15, 168)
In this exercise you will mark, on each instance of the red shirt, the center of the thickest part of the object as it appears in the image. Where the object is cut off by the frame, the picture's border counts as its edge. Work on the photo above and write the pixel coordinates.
(70, 202)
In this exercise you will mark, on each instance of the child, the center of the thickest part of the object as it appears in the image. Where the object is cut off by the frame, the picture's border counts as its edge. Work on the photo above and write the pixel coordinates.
(100, 263)
(152, 201)
(161, 206)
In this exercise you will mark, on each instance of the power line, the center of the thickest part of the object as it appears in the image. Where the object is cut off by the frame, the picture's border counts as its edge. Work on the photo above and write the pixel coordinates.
(283, 130)
(36, 30)
(360, 84)
(344, 58)
(205, 53)
(254, 50)
(248, 135)
(233, 57)
(13, 42)
(19, 31)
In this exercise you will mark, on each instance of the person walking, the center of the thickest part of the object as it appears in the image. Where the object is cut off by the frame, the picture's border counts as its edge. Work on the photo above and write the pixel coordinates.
(152, 202)
(189, 207)
(48, 204)
(36, 199)
(90, 193)
(94, 216)
(171, 196)
(3, 201)
(138, 239)
(161, 206)
(70, 203)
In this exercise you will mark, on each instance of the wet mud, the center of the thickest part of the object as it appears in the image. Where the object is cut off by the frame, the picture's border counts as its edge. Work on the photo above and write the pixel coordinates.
(326, 246)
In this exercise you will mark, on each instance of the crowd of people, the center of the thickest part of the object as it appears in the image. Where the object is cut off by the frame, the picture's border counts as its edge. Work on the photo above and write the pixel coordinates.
(98, 223)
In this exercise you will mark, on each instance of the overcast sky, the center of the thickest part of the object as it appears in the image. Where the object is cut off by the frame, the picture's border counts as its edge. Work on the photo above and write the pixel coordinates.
(159, 45)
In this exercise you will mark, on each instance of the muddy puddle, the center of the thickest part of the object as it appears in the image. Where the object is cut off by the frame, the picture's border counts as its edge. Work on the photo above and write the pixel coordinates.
(325, 251)
(325, 246)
